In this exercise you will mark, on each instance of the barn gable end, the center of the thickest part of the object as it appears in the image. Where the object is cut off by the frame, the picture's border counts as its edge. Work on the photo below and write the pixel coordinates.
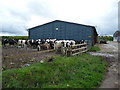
(64, 30)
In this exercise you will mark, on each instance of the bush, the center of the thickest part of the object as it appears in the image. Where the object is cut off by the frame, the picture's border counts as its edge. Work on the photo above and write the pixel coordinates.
(107, 38)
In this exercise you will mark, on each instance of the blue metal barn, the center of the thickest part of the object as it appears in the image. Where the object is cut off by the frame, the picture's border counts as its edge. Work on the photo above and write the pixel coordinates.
(63, 30)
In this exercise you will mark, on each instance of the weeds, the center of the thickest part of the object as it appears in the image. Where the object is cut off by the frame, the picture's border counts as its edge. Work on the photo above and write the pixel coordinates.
(84, 71)
(94, 49)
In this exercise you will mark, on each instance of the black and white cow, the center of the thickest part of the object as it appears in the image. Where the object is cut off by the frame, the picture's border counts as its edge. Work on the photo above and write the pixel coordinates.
(4, 42)
(22, 43)
(62, 44)
(10, 42)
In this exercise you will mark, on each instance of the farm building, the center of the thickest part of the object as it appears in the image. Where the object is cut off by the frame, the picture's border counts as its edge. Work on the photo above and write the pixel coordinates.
(63, 30)
(116, 36)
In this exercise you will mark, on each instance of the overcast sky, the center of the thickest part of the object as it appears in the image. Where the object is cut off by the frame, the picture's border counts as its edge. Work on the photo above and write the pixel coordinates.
(18, 15)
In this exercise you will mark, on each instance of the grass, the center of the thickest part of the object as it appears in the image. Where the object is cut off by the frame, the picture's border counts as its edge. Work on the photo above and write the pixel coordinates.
(84, 71)
(15, 37)
(94, 49)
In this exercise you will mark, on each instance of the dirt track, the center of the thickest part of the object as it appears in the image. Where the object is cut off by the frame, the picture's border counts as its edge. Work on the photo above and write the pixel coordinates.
(13, 57)
(110, 52)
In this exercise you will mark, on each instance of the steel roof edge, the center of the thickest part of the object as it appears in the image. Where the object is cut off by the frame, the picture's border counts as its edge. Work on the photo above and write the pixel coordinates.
(75, 23)
(61, 21)
(41, 25)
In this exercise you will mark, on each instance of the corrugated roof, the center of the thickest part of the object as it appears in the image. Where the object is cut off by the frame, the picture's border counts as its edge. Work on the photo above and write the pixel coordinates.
(61, 21)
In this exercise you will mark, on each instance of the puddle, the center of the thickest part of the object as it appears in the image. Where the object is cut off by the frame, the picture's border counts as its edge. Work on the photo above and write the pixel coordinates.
(101, 54)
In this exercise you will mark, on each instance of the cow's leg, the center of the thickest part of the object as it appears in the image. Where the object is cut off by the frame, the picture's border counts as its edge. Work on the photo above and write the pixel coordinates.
(38, 48)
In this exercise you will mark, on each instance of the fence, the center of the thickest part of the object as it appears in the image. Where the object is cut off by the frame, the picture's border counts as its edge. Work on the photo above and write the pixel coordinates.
(75, 49)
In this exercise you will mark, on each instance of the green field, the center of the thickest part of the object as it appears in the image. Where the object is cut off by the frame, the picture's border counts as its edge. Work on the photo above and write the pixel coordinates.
(84, 71)
(15, 37)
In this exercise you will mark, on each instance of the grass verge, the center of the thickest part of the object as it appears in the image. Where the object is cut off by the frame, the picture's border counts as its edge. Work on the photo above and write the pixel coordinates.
(94, 49)
(84, 71)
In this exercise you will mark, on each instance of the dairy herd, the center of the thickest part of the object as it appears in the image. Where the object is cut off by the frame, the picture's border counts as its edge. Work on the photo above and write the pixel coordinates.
(40, 44)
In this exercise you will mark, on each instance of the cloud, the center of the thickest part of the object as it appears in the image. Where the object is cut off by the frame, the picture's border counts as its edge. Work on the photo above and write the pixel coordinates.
(99, 13)
(19, 15)
(12, 24)
(38, 7)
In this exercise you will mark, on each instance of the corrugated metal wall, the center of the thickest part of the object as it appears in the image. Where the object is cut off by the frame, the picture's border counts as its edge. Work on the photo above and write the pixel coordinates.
(62, 30)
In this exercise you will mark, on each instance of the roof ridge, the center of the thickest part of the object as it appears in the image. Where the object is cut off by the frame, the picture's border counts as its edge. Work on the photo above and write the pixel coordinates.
(74, 23)
(62, 21)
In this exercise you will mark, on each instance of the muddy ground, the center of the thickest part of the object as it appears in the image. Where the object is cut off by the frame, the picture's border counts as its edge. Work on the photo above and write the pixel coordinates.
(13, 57)
(110, 52)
